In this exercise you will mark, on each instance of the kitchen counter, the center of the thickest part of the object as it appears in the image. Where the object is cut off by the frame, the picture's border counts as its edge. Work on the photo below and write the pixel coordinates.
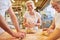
(37, 36)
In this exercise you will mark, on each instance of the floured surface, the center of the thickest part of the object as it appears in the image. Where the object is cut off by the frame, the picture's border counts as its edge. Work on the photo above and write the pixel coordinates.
(36, 36)
(30, 37)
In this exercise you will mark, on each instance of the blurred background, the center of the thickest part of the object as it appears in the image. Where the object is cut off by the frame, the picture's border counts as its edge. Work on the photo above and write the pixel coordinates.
(42, 6)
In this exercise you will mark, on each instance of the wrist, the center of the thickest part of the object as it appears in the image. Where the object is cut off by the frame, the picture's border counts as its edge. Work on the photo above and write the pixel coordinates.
(12, 34)
(18, 30)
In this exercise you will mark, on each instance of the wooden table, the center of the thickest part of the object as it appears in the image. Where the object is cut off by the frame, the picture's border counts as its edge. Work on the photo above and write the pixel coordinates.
(36, 36)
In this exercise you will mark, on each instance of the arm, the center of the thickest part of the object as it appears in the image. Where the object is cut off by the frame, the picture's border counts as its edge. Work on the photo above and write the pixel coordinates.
(4, 25)
(51, 28)
(53, 25)
(25, 23)
(38, 23)
(54, 35)
(13, 18)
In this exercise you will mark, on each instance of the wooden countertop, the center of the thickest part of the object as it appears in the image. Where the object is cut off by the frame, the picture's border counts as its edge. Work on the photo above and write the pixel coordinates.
(36, 36)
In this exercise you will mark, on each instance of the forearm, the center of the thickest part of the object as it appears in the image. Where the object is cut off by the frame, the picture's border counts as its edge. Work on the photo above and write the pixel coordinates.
(38, 22)
(56, 35)
(26, 24)
(14, 19)
(4, 25)
(52, 26)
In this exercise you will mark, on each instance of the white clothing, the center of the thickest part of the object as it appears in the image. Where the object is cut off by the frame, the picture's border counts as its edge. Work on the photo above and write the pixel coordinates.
(4, 5)
(50, 11)
(32, 19)
(57, 20)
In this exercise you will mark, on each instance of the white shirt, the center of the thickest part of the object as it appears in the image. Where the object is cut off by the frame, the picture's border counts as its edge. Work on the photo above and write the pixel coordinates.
(50, 11)
(4, 5)
(32, 19)
(57, 20)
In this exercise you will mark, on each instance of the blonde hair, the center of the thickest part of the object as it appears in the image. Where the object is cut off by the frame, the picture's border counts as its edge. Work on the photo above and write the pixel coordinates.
(31, 3)
(55, 0)
(58, 1)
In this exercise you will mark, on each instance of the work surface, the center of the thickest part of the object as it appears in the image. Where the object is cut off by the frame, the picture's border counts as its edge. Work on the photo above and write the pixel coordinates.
(36, 36)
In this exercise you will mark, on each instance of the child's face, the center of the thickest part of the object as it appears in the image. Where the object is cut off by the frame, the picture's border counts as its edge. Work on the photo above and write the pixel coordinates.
(56, 6)
(29, 6)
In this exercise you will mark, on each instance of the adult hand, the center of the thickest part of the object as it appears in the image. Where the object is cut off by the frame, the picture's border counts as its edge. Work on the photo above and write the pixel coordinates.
(50, 31)
(19, 35)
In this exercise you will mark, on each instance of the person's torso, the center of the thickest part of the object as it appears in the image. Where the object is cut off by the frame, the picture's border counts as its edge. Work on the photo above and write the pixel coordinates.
(4, 5)
(32, 19)
(57, 20)
(50, 12)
